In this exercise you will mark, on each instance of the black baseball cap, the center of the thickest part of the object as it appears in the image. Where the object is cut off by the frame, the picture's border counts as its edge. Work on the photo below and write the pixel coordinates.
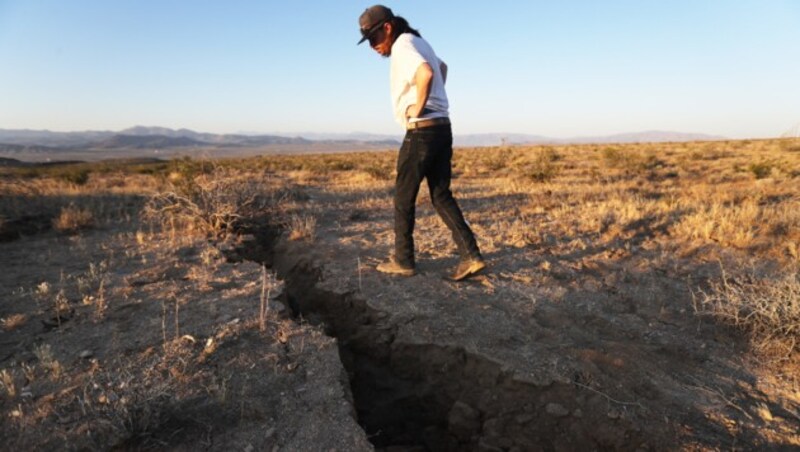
(372, 19)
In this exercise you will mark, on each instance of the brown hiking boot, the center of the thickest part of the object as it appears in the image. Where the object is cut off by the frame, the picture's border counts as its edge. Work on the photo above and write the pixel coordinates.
(467, 268)
(393, 268)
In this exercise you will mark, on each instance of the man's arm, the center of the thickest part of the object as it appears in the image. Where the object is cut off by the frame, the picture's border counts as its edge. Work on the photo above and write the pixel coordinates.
(424, 80)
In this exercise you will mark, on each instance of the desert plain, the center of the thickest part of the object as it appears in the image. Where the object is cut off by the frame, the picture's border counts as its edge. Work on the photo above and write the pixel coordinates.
(638, 297)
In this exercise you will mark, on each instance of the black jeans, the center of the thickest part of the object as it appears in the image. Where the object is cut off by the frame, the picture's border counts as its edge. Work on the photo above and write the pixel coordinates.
(426, 154)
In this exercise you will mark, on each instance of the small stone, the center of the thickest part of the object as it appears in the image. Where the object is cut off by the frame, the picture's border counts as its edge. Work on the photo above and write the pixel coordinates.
(463, 420)
(493, 428)
(249, 448)
(614, 414)
(578, 413)
(557, 410)
(523, 419)
(483, 446)
(86, 354)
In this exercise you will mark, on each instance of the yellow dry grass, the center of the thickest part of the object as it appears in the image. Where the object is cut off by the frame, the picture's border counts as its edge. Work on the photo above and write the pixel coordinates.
(705, 201)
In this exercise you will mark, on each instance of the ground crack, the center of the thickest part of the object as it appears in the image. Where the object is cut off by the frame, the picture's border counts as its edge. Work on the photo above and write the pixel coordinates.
(427, 396)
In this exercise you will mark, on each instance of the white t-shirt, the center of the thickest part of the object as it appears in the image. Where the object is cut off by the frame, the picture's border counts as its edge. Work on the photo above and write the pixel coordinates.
(408, 53)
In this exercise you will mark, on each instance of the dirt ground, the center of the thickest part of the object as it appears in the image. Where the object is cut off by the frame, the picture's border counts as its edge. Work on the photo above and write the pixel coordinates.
(548, 350)
(173, 357)
(283, 336)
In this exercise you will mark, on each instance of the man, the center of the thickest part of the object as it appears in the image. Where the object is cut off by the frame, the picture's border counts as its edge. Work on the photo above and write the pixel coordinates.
(420, 105)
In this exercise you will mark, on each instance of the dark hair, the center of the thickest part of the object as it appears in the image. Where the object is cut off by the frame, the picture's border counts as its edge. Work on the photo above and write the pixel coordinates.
(400, 25)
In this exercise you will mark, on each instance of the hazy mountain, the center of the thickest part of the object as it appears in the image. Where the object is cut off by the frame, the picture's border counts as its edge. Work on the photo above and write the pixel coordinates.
(351, 136)
(498, 139)
(48, 138)
(11, 162)
(142, 137)
(145, 142)
(163, 131)
(134, 137)
(29, 148)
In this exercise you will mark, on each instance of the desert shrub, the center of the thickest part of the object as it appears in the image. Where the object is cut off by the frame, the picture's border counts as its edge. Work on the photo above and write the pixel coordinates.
(73, 174)
(336, 165)
(767, 309)
(213, 204)
(29, 173)
(761, 170)
(496, 159)
(184, 172)
(77, 176)
(632, 161)
(149, 169)
(302, 227)
(791, 144)
(613, 156)
(544, 167)
(73, 218)
(378, 171)
(550, 153)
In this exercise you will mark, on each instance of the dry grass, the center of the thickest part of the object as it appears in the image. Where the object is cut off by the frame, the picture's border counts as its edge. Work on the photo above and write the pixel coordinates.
(7, 383)
(212, 203)
(735, 201)
(768, 309)
(73, 219)
(302, 227)
(692, 202)
(13, 321)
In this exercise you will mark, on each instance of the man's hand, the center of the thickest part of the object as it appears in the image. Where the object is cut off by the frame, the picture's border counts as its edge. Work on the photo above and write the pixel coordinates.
(423, 79)
(413, 112)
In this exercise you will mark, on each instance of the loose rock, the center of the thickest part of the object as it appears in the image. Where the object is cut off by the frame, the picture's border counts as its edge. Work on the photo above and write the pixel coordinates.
(557, 410)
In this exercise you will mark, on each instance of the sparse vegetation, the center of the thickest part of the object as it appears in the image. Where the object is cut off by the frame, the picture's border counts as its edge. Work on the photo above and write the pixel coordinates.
(761, 169)
(544, 167)
(302, 227)
(73, 218)
(153, 319)
(13, 321)
(767, 309)
(7, 383)
(208, 202)
(790, 144)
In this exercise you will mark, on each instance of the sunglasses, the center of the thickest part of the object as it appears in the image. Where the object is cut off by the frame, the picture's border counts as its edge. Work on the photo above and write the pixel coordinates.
(372, 33)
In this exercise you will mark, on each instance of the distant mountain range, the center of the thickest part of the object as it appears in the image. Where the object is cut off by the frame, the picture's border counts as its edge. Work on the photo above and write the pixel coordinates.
(497, 139)
(141, 137)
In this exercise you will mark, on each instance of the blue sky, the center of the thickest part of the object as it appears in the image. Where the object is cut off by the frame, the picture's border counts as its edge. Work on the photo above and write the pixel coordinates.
(560, 69)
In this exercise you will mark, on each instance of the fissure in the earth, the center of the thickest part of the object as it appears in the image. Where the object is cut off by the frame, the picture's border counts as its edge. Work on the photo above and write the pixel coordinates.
(437, 396)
